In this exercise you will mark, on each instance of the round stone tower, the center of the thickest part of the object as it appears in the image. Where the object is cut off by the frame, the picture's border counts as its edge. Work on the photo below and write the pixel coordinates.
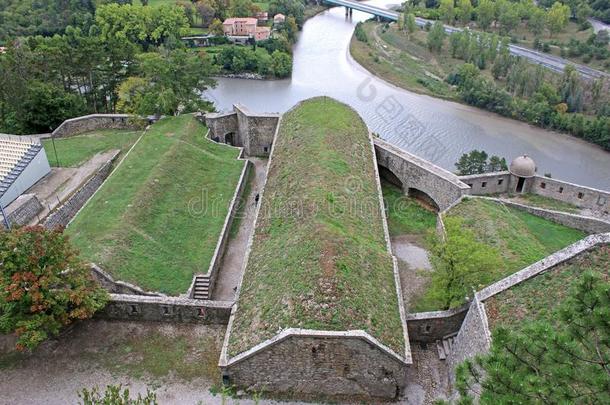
(522, 171)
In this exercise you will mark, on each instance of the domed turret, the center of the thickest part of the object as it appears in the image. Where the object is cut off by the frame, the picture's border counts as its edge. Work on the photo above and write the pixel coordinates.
(523, 166)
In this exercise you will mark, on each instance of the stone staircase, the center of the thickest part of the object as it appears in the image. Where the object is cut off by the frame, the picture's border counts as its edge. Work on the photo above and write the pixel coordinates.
(201, 288)
(445, 346)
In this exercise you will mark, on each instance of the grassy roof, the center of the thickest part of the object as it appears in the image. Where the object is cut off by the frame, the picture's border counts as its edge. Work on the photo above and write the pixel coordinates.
(319, 259)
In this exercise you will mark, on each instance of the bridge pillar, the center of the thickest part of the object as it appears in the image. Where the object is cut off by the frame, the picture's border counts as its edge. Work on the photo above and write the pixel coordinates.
(350, 11)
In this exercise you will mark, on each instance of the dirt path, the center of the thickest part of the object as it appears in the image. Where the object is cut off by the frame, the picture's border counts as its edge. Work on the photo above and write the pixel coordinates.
(413, 266)
(232, 263)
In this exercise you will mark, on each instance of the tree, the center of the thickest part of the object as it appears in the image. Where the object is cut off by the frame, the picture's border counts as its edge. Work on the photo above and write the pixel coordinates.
(475, 162)
(281, 64)
(115, 395)
(485, 13)
(44, 286)
(295, 8)
(464, 12)
(537, 21)
(242, 8)
(216, 27)
(460, 264)
(436, 37)
(509, 19)
(447, 11)
(410, 24)
(557, 17)
(168, 83)
(561, 360)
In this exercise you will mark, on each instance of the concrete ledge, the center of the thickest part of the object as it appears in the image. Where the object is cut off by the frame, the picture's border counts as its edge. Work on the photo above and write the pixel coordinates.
(170, 309)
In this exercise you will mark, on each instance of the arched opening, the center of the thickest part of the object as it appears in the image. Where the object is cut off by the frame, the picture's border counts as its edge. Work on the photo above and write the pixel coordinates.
(230, 138)
(387, 175)
(423, 198)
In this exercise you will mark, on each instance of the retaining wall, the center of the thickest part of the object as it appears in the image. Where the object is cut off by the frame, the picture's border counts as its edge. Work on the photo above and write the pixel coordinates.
(64, 213)
(581, 222)
(442, 186)
(169, 309)
(116, 286)
(428, 327)
(93, 122)
(322, 363)
(580, 196)
(23, 210)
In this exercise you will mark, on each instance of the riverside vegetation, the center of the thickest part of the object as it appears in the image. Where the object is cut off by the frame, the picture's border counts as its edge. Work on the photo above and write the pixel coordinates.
(477, 68)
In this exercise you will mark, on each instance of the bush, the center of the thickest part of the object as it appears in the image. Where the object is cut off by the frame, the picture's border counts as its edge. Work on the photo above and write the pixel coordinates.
(360, 33)
(115, 395)
(44, 286)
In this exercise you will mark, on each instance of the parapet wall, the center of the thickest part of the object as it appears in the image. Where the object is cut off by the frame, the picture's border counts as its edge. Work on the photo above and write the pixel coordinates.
(488, 183)
(428, 327)
(442, 186)
(116, 286)
(169, 309)
(64, 213)
(580, 196)
(23, 210)
(322, 363)
(93, 122)
(580, 222)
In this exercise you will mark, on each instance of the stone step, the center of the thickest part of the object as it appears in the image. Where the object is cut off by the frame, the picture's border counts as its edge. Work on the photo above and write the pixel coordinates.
(441, 350)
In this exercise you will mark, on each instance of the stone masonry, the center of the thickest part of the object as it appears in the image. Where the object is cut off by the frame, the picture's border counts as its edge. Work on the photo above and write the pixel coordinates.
(87, 123)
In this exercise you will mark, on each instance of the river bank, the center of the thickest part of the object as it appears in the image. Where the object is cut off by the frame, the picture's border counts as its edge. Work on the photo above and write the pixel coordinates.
(406, 61)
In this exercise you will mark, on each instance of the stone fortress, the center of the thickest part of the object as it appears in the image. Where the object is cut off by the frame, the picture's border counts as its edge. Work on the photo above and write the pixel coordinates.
(349, 363)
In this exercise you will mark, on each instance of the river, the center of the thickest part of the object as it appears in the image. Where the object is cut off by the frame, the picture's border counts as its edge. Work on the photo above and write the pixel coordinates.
(435, 129)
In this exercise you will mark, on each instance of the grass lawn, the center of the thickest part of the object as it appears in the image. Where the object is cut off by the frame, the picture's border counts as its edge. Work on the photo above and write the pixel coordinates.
(537, 298)
(157, 219)
(319, 259)
(404, 214)
(536, 200)
(522, 238)
(75, 150)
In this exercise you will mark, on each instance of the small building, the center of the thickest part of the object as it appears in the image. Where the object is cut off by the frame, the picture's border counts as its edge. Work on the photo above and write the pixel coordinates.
(279, 19)
(262, 17)
(241, 29)
(239, 26)
(2, 49)
(522, 169)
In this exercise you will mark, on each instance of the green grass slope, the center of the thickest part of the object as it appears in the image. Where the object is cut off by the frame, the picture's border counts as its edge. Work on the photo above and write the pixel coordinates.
(157, 219)
(319, 258)
(522, 238)
(75, 150)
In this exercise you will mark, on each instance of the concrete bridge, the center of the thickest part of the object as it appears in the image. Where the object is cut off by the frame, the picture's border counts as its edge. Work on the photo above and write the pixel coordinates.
(551, 62)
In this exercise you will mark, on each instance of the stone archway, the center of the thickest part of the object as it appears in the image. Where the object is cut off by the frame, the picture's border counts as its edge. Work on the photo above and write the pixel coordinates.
(230, 138)
(424, 198)
(388, 176)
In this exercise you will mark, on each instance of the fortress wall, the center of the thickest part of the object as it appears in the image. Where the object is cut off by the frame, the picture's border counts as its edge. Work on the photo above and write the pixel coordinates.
(23, 210)
(580, 196)
(116, 286)
(580, 222)
(472, 339)
(256, 130)
(87, 123)
(64, 213)
(222, 124)
(170, 309)
(488, 183)
(322, 363)
(439, 184)
(428, 327)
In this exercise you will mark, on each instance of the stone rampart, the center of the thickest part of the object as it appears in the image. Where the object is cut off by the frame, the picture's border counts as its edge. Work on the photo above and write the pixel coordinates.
(23, 210)
(442, 186)
(64, 213)
(322, 363)
(581, 222)
(580, 196)
(94, 122)
(252, 131)
(472, 339)
(487, 183)
(169, 309)
(428, 327)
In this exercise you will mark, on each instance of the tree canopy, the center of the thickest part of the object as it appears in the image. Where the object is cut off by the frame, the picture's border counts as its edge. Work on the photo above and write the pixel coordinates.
(44, 286)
